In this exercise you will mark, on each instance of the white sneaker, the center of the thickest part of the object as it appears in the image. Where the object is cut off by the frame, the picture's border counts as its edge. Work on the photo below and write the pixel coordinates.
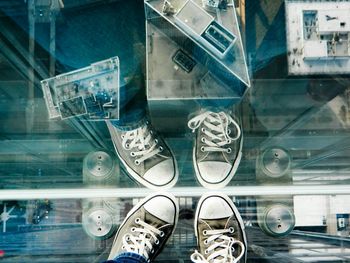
(145, 156)
(217, 149)
(147, 227)
(219, 230)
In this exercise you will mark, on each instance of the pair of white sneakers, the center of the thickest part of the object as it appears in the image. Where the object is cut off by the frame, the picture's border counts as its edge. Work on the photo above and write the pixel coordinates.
(218, 226)
(217, 151)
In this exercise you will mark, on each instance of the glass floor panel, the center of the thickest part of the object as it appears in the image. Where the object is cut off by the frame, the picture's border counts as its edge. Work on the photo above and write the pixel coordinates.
(293, 111)
(58, 231)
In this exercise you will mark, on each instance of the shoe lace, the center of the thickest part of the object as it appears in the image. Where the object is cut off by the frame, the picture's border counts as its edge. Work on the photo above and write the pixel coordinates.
(142, 140)
(141, 239)
(221, 248)
(216, 128)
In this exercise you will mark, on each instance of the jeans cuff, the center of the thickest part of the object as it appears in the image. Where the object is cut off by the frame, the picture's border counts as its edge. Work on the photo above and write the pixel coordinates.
(129, 126)
(130, 257)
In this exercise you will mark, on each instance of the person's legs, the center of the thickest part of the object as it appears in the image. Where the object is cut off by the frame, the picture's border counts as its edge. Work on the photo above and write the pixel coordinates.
(145, 230)
(102, 31)
(219, 230)
(144, 154)
(133, 102)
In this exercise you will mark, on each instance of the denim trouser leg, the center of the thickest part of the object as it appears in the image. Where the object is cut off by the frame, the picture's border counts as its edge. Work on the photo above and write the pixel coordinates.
(128, 257)
(104, 31)
(132, 104)
(214, 105)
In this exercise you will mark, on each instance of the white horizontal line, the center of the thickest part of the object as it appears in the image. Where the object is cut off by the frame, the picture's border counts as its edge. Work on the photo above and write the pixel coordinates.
(78, 193)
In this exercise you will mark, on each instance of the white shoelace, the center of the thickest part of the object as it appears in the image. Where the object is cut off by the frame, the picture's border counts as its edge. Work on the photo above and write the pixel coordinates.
(142, 239)
(141, 139)
(216, 129)
(221, 248)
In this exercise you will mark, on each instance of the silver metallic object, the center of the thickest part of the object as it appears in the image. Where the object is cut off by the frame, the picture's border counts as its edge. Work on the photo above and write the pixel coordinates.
(100, 168)
(275, 214)
(100, 217)
(274, 162)
(276, 220)
(198, 23)
(91, 91)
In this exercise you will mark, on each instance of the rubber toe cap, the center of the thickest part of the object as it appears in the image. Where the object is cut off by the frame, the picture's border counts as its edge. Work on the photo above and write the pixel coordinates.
(161, 174)
(214, 172)
(162, 207)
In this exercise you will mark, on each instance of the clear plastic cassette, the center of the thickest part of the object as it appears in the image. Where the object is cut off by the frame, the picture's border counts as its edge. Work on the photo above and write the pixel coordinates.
(92, 91)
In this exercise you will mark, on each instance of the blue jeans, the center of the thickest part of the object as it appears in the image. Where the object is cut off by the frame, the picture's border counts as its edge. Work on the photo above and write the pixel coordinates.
(102, 31)
(128, 257)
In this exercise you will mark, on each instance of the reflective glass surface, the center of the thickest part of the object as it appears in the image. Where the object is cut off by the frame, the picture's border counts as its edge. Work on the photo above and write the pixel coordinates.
(284, 80)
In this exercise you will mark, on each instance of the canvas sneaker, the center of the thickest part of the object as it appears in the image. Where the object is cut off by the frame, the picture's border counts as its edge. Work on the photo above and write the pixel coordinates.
(145, 156)
(147, 227)
(219, 230)
(217, 149)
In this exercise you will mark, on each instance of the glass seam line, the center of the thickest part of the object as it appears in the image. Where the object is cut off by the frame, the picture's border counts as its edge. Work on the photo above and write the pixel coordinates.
(78, 193)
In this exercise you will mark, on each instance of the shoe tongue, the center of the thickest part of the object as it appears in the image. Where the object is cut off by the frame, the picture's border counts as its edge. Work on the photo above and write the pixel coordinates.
(152, 220)
(222, 224)
(216, 223)
(214, 156)
(156, 222)
(144, 146)
(152, 161)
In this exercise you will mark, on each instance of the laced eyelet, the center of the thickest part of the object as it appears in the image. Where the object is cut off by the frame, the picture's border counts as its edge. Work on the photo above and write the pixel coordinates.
(155, 141)
(205, 232)
(232, 230)
(132, 154)
(137, 162)
(202, 139)
(133, 228)
(206, 252)
(160, 148)
(206, 242)
(229, 150)
(192, 125)
(202, 148)
(137, 220)
(156, 242)
(161, 234)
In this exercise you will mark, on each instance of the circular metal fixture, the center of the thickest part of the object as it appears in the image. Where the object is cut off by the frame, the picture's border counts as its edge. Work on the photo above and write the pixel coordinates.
(99, 164)
(277, 220)
(98, 223)
(275, 162)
